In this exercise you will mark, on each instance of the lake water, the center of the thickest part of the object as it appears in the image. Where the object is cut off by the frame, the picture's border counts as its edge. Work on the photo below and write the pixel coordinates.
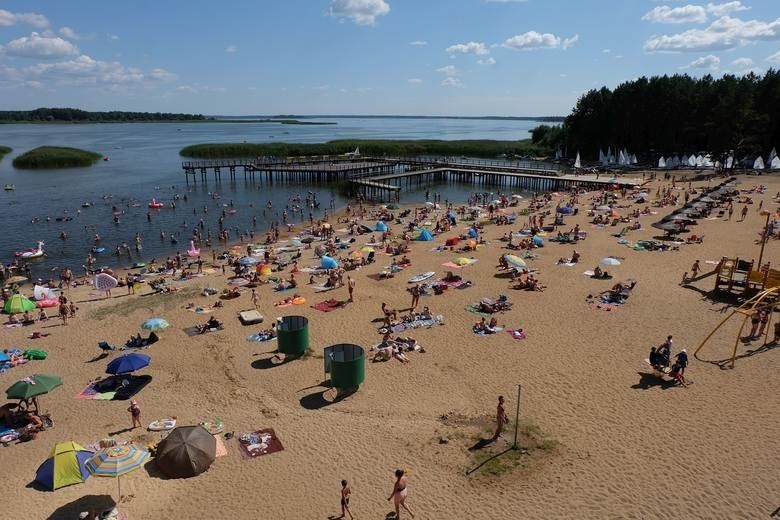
(145, 163)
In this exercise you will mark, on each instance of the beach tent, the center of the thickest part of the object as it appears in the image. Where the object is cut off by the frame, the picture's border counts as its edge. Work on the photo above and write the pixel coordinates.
(425, 235)
(17, 304)
(538, 241)
(758, 164)
(187, 451)
(64, 467)
(380, 226)
(327, 262)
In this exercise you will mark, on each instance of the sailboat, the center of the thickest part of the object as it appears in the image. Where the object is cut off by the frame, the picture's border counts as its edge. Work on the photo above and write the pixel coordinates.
(758, 164)
(577, 163)
(662, 162)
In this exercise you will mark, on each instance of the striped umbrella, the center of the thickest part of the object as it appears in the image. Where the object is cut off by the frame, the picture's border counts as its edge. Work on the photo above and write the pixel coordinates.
(515, 261)
(116, 461)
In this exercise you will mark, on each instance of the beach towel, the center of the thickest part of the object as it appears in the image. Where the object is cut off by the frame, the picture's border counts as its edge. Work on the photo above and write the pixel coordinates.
(415, 324)
(221, 450)
(329, 305)
(283, 288)
(89, 392)
(238, 282)
(516, 334)
(260, 337)
(475, 309)
(488, 332)
(259, 443)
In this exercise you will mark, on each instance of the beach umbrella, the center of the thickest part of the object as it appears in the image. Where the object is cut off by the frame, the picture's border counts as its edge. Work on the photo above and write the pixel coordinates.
(153, 324)
(248, 261)
(65, 466)
(515, 261)
(128, 363)
(392, 206)
(538, 241)
(677, 216)
(105, 282)
(667, 226)
(15, 279)
(187, 451)
(517, 197)
(35, 385)
(367, 249)
(17, 304)
(609, 261)
(117, 461)
(380, 226)
(461, 261)
(565, 210)
(327, 262)
(425, 235)
(706, 199)
(4, 357)
(264, 270)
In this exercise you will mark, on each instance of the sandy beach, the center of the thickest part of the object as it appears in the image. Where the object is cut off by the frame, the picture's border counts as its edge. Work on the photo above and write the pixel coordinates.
(612, 441)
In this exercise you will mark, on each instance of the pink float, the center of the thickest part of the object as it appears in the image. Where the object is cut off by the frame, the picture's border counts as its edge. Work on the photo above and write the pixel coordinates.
(45, 304)
(192, 251)
(155, 205)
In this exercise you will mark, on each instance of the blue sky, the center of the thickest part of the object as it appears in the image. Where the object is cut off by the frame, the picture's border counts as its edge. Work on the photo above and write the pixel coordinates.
(400, 57)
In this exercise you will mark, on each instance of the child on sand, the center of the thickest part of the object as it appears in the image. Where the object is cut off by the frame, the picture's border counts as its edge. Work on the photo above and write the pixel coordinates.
(135, 413)
(345, 492)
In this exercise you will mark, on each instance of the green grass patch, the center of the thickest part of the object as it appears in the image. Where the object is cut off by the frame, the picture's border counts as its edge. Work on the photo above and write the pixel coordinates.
(369, 147)
(49, 157)
(4, 150)
(499, 458)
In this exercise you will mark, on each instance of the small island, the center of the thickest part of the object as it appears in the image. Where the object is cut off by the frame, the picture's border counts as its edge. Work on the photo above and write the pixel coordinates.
(51, 157)
(372, 147)
(4, 150)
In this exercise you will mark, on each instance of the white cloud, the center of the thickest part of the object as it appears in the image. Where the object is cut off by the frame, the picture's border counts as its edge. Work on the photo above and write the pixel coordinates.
(8, 19)
(684, 14)
(774, 57)
(40, 47)
(705, 62)
(606, 51)
(414, 81)
(487, 61)
(361, 12)
(504, 1)
(112, 37)
(187, 88)
(85, 70)
(723, 33)
(198, 89)
(449, 71)
(477, 48)
(321, 87)
(162, 75)
(534, 40)
(67, 32)
(418, 42)
(231, 49)
(744, 63)
(451, 82)
(719, 10)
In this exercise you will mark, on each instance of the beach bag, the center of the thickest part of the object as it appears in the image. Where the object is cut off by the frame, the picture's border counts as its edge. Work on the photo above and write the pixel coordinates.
(35, 354)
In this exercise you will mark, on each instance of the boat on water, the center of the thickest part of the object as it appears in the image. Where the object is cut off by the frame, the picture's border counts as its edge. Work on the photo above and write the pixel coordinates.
(9, 187)
(32, 252)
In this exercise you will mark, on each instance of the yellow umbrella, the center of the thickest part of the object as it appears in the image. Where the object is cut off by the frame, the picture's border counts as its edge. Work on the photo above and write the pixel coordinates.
(462, 261)
(367, 249)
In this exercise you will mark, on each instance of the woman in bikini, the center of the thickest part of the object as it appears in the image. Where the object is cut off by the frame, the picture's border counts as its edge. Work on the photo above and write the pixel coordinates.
(399, 494)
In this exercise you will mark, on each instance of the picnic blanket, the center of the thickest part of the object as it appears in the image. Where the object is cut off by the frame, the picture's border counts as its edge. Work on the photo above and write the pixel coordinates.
(256, 444)
(415, 324)
(329, 305)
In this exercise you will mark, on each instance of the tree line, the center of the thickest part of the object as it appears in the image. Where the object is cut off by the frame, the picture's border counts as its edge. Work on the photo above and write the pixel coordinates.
(75, 115)
(662, 115)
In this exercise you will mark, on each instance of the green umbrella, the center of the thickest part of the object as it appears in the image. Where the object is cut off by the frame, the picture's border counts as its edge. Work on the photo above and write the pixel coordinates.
(32, 386)
(17, 304)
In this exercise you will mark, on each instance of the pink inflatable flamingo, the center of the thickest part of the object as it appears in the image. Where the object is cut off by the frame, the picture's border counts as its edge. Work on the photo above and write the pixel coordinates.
(192, 252)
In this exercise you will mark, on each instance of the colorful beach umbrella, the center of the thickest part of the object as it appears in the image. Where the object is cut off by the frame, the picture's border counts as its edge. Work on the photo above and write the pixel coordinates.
(609, 261)
(515, 261)
(117, 461)
(65, 466)
(154, 324)
(128, 363)
(37, 384)
(17, 304)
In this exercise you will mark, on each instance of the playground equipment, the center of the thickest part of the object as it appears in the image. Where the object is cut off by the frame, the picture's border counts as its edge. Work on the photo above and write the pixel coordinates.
(346, 364)
(292, 334)
(738, 276)
(768, 299)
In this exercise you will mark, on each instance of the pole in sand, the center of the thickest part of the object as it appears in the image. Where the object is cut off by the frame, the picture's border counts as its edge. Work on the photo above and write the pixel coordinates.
(517, 417)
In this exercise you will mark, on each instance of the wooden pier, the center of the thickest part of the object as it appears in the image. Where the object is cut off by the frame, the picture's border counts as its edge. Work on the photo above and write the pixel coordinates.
(382, 178)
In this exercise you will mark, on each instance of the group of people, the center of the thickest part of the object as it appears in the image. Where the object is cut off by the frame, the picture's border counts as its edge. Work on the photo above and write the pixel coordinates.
(660, 360)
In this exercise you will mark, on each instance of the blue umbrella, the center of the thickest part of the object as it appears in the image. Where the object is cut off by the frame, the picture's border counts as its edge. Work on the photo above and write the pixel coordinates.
(128, 363)
(4, 357)
(327, 262)
(380, 226)
(565, 210)
(538, 241)
(248, 260)
(155, 324)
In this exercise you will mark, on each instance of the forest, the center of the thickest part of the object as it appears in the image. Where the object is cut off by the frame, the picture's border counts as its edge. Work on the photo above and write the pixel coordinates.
(75, 115)
(673, 114)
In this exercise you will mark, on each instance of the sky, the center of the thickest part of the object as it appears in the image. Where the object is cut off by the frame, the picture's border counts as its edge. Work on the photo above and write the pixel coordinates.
(389, 57)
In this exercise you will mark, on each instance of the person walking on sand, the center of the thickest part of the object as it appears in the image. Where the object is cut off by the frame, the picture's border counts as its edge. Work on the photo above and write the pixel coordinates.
(415, 290)
(345, 492)
(135, 413)
(400, 491)
(501, 418)
(695, 268)
(350, 287)
(744, 213)
(255, 299)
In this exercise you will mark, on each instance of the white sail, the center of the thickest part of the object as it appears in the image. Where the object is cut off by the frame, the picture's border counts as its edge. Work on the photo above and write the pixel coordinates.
(558, 153)
(577, 163)
(662, 162)
(700, 160)
(692, 160)
(729, 162)
(758, 164)
(707, 161)
(717, 165)
(602, 158)
(772, 156)
(684, 160)
(633, 159)
(775, 164)
(676, 161)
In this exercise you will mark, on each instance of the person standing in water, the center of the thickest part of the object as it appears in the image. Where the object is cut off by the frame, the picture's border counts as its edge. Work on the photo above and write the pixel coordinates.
(399, 494)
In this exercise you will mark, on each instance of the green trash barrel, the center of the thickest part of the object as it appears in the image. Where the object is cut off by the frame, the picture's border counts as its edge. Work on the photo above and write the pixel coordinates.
(292, 335)
(347, 364)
